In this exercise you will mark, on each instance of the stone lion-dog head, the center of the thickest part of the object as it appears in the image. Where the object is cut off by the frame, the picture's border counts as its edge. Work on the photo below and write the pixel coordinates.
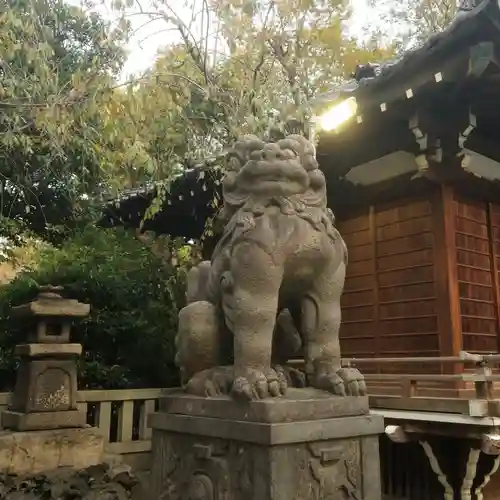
(259, 171)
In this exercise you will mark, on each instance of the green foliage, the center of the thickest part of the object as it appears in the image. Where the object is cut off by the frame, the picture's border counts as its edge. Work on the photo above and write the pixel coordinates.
(128, 338)
(57, 65)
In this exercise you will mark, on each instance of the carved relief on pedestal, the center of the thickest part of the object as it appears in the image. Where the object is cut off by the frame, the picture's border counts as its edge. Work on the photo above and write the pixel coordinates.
(166, 464)
(336, 469)
(52, 390)
(352, 471)
(200, 488)
(190, 470)
(244, 473)
(227, 470)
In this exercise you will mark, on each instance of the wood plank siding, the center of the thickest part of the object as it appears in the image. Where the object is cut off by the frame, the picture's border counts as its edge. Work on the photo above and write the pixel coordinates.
(422, 280)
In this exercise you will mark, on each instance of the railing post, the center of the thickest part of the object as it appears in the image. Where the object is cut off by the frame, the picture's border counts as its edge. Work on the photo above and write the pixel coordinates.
(484, 388)
(147, 408)
(125, 421)
(410, 388)
(103, 420)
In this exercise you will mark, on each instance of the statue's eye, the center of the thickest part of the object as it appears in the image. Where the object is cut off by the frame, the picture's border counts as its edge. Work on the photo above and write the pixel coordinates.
(233, 164)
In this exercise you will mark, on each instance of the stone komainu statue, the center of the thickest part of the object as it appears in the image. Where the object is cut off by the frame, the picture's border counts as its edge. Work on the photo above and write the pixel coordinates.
(273, 285)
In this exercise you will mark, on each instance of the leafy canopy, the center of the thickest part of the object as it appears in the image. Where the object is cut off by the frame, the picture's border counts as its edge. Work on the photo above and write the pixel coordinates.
(58, 65)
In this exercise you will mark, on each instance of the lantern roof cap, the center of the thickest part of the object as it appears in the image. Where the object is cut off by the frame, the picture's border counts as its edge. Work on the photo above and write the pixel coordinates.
(50, 302)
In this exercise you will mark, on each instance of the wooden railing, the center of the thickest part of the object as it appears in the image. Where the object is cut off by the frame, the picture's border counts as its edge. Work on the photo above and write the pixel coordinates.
(473, 389)
(464, 384)
(122, 417)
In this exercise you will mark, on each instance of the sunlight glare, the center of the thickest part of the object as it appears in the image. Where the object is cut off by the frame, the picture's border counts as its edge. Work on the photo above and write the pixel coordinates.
(339, 114)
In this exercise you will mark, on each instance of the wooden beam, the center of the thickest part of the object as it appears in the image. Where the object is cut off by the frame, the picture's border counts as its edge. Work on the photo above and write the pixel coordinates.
(418, 403)
(449, 322)
(385, 168)
(376, 301)
(397, 434)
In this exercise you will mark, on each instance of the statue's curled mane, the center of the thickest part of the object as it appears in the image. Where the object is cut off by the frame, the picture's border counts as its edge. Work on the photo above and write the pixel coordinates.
(283, 173)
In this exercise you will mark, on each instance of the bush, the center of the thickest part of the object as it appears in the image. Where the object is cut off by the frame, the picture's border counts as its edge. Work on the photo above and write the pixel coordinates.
(128, 339)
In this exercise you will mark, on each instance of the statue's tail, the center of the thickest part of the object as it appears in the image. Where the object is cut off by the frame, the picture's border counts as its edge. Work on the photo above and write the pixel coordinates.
(197, 279)
(198, 339)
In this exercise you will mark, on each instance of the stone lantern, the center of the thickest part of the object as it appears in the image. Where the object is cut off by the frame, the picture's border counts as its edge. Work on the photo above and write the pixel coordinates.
(45, 395)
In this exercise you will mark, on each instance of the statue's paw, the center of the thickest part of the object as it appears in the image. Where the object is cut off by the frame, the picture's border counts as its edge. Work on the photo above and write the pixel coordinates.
(254, 383)
(354, 382)
(343, 381)
(211, 383)
(293, 376)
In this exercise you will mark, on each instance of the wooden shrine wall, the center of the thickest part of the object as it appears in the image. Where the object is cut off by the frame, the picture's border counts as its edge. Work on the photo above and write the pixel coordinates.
(477, 257)
(389, 305)
(423, 278)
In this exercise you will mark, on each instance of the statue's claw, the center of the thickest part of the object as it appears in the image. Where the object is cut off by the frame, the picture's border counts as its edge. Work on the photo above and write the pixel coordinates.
(212, 383)
(293, 376)
(354, 382)
(340, 381)
(253, 383)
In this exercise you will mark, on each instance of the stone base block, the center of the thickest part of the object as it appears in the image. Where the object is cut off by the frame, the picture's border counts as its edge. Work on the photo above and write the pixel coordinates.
(43, 420)
(275, 449)
(23, 453)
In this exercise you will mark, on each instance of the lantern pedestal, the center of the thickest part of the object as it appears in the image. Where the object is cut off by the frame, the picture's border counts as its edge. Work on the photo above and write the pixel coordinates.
(43, 420)
(46, 389)
(33, 452)
(46, 385)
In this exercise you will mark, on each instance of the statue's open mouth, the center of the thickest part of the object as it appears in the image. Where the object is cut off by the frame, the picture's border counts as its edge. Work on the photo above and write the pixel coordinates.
(280, 177)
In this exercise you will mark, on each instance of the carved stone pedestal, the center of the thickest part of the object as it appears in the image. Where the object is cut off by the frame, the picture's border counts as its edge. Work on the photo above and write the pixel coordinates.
(46, 388)
(32, 452)
(306, 446)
